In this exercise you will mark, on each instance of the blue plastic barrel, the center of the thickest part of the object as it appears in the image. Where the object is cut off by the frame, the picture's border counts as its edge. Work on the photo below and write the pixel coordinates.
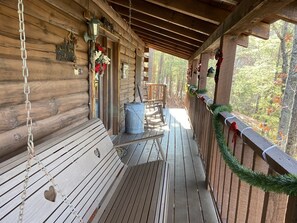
(134, 117)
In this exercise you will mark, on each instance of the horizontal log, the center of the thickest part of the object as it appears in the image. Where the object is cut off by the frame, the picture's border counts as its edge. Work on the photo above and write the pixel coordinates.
(12, 93)
(62, 131)
(14, 116)
(11, 70)
(36, 31)
(69, 7)
(16, 139)
(47, 13)
(14, 52)
(47, 51)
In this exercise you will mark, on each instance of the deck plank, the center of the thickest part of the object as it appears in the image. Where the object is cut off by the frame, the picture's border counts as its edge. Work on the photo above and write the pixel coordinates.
(194, 206)
(191, 200)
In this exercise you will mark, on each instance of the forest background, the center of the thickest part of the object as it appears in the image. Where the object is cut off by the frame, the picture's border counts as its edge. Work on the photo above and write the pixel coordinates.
(264, 84)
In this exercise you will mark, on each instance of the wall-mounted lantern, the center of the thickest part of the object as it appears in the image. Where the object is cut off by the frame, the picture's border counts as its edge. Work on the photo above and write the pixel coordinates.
(93, 28)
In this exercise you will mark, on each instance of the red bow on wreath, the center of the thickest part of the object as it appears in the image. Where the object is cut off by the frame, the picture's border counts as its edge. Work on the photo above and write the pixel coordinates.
(234, 129)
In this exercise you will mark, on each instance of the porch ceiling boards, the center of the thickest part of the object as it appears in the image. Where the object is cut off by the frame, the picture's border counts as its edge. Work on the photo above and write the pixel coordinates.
(187, 28)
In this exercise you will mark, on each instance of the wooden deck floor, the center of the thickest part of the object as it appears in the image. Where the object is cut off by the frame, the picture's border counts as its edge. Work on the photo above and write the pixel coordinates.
(191, 201)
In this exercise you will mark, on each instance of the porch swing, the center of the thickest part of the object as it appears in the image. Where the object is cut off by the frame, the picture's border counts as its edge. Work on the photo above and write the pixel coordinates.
(78, 176)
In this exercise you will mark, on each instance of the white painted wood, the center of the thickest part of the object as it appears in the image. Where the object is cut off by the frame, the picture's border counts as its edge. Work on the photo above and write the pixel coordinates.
(85, 165)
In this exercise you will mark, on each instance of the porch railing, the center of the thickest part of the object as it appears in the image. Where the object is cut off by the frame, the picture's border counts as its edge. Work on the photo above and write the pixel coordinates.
(157, 92)
(237, 201)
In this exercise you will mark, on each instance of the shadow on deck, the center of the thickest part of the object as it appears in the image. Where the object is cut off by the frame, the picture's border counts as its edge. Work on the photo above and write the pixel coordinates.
(191, 201)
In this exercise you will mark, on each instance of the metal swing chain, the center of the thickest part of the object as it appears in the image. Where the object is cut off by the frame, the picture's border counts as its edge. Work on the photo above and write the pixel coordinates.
(130, 40)
(29, 123)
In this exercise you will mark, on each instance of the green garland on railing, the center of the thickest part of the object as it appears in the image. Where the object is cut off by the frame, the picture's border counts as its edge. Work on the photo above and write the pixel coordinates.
(272, 183)
(193, 90)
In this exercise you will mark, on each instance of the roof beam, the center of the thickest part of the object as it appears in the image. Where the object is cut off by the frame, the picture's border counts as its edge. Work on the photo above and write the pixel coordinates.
(168, 15)
(246, 15)
(289, 13)
(197, 9)
(153, 36)
(231, 2)
(168, 51)
(165, 33)
(260, 30)
(169, 45)
(162, 24)
(112, 14)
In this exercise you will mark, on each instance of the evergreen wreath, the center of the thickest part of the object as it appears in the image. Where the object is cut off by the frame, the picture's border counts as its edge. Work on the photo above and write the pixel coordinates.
(286, 183)
(193, 90)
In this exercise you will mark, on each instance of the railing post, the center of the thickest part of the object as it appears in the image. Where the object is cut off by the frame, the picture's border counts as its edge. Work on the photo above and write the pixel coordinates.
(149, 96)
(291, 215)
(164, 94)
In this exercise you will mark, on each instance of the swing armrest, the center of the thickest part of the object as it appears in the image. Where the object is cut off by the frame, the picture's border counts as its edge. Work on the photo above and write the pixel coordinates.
(127, 139)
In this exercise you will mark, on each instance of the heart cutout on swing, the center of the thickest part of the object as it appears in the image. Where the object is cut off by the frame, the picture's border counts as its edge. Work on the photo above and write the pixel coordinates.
(50, 194)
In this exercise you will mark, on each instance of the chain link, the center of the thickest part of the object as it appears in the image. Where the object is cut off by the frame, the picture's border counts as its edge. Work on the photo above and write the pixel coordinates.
(130, 40)
(25, 73)
(29, 123)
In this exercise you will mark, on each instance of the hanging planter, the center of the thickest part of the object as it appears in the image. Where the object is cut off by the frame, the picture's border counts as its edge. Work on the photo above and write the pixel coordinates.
(210, 72)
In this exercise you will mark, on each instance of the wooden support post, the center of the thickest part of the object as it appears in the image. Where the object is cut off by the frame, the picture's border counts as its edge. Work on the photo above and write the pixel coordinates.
(195, 65)
(103, 96)
(92, 91)
(223, 87)
(204, 58)
(116, 70)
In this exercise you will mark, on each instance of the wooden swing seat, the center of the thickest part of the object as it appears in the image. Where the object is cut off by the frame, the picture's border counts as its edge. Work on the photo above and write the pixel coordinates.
(87, 169)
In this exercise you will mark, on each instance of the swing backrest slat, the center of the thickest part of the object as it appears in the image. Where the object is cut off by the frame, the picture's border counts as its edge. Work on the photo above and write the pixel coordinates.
(72, 159)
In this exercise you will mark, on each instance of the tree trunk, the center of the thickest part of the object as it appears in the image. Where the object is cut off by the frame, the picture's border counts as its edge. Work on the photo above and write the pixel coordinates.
(181, 91)
(257, 104)
(288, 96)
(161, 64)
(170, 86)
(150, 64)
(291, 147)
(284, 52)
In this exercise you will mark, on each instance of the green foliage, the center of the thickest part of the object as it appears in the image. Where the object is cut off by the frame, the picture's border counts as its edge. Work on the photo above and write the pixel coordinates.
(256, 90)
(272, 183)
(172, 71)
(194, 91)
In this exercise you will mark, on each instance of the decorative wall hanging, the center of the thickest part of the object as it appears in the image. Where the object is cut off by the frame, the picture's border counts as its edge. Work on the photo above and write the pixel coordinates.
(125, 70)
(66, 50)
(107, 24)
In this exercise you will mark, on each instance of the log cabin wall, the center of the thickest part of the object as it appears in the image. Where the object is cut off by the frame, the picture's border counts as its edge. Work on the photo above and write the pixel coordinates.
(60, 99)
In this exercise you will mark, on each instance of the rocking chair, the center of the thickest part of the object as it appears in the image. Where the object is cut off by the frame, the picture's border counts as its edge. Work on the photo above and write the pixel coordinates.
(152, 107)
